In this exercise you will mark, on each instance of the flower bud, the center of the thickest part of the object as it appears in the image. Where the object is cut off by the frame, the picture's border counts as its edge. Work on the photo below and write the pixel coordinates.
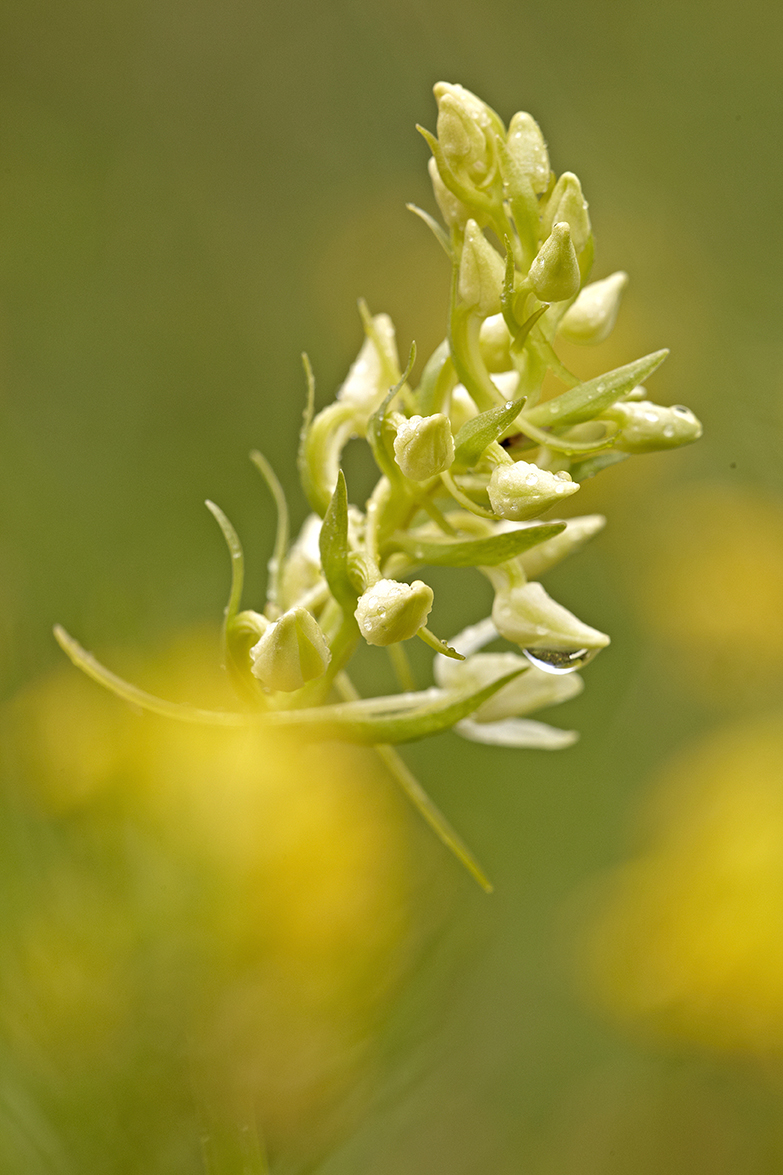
(467, 129)
(527, 147)
(646, 427)
(568, 204)
(592, 317)
(523, 490)
(554, 274)
(291, 651)
(481, 272)
(495, 341)
(528, 617)
(390, 611)
(424, 446)
(451, 207)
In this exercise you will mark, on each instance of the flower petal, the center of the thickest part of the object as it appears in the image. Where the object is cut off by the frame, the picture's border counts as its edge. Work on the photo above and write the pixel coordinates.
(517, 732)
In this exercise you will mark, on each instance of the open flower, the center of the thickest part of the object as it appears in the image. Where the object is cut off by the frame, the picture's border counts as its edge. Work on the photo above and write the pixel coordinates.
(502, 721)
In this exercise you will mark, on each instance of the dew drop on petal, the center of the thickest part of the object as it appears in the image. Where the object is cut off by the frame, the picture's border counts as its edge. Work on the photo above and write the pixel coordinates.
(559, 660)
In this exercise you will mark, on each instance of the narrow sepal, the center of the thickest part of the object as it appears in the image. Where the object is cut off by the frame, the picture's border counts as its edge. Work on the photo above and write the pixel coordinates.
(333, 545)
(479, 552)
(587, 400)
(474, 436)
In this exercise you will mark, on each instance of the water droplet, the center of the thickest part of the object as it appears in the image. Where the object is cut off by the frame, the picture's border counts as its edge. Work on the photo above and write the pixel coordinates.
(509, 403)
(554, 409)
(563, 475)
(559, 660)
(668, 430)
(531, 479)
(652, 417)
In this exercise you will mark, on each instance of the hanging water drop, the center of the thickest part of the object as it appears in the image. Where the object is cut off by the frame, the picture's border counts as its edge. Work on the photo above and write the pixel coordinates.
(559, 660)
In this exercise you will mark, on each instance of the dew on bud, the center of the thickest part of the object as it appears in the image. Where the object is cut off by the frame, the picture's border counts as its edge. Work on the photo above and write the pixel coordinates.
(559, 660)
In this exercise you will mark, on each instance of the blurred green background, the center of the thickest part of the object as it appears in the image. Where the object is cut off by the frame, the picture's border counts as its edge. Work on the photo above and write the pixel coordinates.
(191, 194)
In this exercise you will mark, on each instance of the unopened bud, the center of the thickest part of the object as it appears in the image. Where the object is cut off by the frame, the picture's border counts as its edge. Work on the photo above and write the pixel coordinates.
(424, 446)
(481, 272)
(452, 209)
(530, 618)
(646, 427)
(527, 147)
(390, 611)
(568, 204)
(495, 341)
(554, 274)
(592, 317)
(523, 490)
(291, 652)
(467, 130)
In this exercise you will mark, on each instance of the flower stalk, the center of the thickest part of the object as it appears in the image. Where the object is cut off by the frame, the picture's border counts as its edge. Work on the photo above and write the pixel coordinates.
(469, 458)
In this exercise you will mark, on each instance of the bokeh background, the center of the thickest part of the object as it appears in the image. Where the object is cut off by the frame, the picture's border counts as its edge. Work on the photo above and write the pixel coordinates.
(212, 949)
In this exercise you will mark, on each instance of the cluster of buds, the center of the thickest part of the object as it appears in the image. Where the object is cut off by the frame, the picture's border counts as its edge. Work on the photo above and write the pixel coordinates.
(469, 458)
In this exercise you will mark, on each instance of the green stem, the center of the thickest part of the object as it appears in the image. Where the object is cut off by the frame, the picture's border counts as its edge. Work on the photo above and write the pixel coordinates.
(402, 667)
(428, 810)
(464, 329)
(463, 499)
(448, 836)
(281, 536)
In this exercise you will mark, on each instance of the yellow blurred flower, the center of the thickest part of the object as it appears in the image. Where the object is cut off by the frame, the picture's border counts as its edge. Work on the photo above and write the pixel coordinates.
(685, 941)
(710, 584)
(271, 875)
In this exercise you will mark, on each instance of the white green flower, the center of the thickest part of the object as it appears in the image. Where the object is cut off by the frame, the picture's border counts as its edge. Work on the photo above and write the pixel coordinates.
(591, 317)
(502, 720)
(424, 445)
(646, 427)
(522, 490)
(391, 611)
(528, 617)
